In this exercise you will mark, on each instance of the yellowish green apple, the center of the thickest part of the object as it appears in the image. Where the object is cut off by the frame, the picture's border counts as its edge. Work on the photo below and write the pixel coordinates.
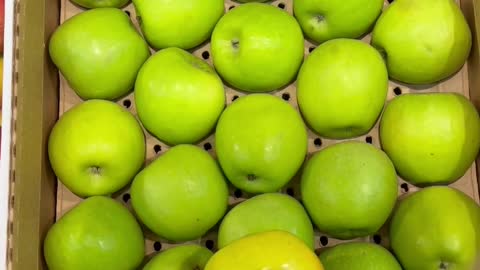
(180, 195)
(101, 3)
(265, 250)
(432, 138)
(341, 88)
(266, 212)
(349, 189)
(96, 148)
(184, 24)
(322, 20)
(257, 47)
(98, 233)
(436, 228)
(99, 52)
(358, 256)
(178, 96)
(261, 143)
(185, 257)
(423, 41)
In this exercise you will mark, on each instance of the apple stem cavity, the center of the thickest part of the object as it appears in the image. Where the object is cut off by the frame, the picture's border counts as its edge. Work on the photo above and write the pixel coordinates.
(443, 266)
(235, 44)
(95, 170)
(251, 177)
(319, 18)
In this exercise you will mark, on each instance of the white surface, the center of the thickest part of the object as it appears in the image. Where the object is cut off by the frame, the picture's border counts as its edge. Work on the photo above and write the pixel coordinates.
(6, 130)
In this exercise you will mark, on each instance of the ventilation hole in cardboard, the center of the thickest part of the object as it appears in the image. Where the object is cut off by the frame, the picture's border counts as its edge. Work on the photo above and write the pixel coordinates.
(404, 186)
(317, 142)
(157, 148)
(126, 197)
(207, 146)
(286, 96)
(311, 49)
(127, 103)
(13, 176)
(290, 191)
(12, 201)
(234, 98)
(324, 240)
(157, 246)
(397, 91)
(127, 12)
(281, 5)
(209, 244)
(231, 7)
(237, 193)
(377, 239)
(369, 139)
(205, 55)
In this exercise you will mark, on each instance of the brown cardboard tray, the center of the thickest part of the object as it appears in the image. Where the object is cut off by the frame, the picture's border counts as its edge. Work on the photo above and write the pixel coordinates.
(40, 96)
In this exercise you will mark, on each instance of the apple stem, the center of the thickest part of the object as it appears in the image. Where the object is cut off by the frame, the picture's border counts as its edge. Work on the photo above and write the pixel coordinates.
(235, 43)
(443, 266)
(95, 170)
(320, 18)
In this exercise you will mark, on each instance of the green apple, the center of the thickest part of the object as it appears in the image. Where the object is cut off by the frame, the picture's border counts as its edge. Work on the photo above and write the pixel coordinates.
(341, 88)
(358, 256)
(184, 24)
(96, 148)
(266, 212)
(98, 233)
(322, 20)
(178, 97)
(349, 189)
(261, 143)
(257, 47)
(180, 195)
(423, 41)
(437, 228)
(99, 52)
(432, 138)
(101, 3)
(187, 257)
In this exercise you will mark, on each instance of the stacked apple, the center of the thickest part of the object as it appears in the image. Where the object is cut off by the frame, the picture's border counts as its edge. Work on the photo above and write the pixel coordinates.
(348, 189)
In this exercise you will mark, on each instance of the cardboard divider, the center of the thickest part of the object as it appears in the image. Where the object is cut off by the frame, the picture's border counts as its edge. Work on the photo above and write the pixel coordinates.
(41, 96)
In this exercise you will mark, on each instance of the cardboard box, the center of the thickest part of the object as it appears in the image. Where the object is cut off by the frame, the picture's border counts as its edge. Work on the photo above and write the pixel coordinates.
(40, 95)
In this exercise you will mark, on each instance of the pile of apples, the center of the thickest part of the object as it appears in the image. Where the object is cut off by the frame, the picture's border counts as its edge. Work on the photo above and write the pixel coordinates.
(348, 190)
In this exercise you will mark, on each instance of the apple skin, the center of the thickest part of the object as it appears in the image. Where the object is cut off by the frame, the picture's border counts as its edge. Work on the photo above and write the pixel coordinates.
(180, 195)
(341, 88)
(257, 47)
(178, 97)
(424, 41)
(436, 228)
(187, 257)
(98, 233)
(266, 212)
(96, 148)
(183, 24)
(101, 3)
(432, 138)
(358, 256)
(265, 250)
(349, 189)
(97, 62)
(261, 143)
(322, 20)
